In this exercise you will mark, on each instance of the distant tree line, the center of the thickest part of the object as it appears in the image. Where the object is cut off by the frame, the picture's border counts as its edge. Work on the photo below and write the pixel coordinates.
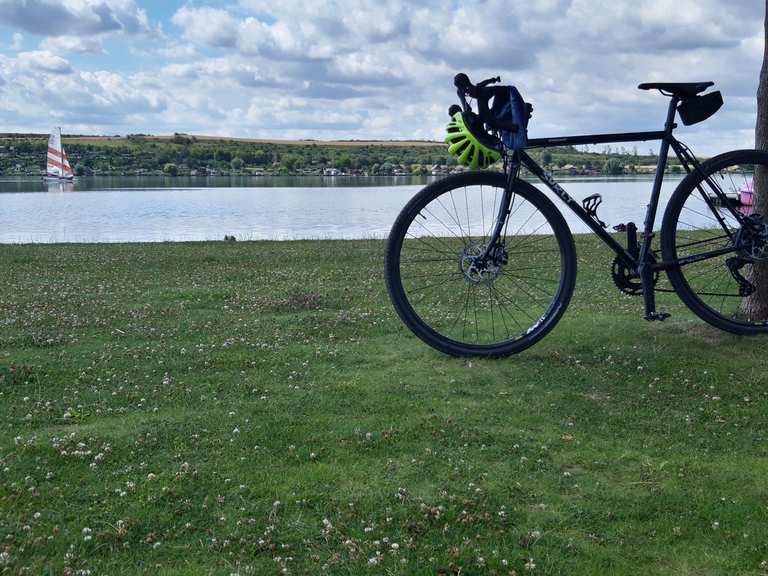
(184, 155)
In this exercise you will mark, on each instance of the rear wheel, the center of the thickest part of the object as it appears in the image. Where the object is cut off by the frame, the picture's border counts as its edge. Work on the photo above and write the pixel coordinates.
(730, 291)
(461, 305)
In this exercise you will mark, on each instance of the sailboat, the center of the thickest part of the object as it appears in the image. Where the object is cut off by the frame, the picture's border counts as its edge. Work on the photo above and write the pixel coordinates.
(57, 163)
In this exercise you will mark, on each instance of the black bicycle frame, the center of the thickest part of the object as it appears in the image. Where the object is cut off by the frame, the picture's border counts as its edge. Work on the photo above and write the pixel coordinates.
(643, 265)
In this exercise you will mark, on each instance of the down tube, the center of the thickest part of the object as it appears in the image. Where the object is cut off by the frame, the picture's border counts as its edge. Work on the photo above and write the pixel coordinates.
(575, 207)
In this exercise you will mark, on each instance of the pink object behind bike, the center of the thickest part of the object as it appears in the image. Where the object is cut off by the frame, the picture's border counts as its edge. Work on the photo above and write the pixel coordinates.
(747, 194)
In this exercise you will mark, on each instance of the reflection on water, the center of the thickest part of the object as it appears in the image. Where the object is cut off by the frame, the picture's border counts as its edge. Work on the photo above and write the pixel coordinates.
(135, 211)
(98, 183)
(58, 186)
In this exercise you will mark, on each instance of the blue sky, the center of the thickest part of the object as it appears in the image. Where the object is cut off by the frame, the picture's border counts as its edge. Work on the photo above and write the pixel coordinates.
(359, 69)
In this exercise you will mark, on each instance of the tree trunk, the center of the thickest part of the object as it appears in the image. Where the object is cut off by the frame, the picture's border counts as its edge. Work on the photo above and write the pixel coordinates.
(756, 306)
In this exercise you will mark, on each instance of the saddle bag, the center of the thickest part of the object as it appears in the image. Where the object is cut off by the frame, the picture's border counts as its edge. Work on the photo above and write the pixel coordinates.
(695, 109)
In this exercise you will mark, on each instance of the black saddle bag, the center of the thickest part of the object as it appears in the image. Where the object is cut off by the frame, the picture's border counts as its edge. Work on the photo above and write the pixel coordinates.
(695, 109)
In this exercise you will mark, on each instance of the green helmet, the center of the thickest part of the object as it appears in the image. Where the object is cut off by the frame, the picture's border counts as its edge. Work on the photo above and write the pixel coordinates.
(466, 146)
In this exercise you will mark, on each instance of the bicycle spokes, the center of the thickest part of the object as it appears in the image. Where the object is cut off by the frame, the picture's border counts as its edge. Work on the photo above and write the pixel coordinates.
(469, 289)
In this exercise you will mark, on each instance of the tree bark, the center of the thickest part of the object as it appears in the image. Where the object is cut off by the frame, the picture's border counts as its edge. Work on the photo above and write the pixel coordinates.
(756, 306)
(761, 127)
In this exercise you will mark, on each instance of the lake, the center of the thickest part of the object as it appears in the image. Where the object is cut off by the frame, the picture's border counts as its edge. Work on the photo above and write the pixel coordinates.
(154, 209)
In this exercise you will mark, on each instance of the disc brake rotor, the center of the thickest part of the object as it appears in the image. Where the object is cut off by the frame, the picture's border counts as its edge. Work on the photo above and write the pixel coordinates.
(475, 271)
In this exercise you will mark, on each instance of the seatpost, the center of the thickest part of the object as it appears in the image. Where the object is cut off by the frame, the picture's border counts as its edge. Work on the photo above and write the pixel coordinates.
(645, 265)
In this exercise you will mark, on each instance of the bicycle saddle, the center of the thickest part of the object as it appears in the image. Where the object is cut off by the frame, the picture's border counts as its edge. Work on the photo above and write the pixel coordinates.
(681, 89)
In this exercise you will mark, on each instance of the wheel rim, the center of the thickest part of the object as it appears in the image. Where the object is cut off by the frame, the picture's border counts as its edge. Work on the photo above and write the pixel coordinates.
(704, 225)
(472, 303)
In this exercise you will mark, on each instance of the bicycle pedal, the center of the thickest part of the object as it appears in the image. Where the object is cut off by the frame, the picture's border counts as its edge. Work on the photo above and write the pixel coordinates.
(658, 316)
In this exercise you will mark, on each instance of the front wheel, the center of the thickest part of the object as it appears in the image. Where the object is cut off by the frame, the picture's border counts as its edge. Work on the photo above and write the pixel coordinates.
(715, 209)
(461, 305)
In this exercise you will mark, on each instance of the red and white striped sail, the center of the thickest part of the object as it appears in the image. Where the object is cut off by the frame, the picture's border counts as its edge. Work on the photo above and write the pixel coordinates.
(57, 163)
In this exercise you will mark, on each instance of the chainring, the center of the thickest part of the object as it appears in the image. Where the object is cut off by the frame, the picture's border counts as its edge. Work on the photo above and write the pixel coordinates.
(625, 281)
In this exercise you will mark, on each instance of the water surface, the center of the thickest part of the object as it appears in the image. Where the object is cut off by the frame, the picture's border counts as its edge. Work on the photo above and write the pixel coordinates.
(133, 209)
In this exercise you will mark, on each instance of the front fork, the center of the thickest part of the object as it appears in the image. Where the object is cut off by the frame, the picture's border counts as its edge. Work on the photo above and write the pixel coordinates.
(511, 170)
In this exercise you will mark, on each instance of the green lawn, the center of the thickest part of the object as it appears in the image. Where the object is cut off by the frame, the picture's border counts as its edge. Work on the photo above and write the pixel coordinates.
(258, 408)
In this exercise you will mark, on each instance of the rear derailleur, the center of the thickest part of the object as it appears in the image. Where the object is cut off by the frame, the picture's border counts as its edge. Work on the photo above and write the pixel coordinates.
(735, 264)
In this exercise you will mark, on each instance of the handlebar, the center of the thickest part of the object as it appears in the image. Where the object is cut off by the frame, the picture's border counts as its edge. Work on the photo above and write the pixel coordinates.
(482, 93)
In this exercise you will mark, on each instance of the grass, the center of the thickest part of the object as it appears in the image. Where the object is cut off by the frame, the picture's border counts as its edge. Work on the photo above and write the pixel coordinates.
(258, 408)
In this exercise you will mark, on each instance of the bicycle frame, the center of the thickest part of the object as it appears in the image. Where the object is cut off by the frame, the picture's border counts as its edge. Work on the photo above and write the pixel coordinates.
(644, 265)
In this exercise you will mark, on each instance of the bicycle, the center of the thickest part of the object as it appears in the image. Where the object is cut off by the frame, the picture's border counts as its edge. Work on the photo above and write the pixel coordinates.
(471, 283)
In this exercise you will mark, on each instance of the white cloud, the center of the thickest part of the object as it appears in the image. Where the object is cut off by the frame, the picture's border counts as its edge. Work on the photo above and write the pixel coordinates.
(383, 68)
(18, 41)
(75, 17)
(71, 45)
(44, 61)
(207, 26)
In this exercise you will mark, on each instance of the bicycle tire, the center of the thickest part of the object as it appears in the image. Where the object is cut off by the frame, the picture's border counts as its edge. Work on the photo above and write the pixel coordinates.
(551, 237)
(690, 226)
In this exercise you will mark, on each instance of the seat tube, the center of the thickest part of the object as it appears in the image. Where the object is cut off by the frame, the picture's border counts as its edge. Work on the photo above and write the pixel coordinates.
(645, 265)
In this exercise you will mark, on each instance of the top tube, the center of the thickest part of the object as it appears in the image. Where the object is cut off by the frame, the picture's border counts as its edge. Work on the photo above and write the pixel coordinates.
(609, 138)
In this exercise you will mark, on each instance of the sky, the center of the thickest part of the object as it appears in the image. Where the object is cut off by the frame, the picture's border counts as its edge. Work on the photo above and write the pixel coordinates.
(370, 69)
